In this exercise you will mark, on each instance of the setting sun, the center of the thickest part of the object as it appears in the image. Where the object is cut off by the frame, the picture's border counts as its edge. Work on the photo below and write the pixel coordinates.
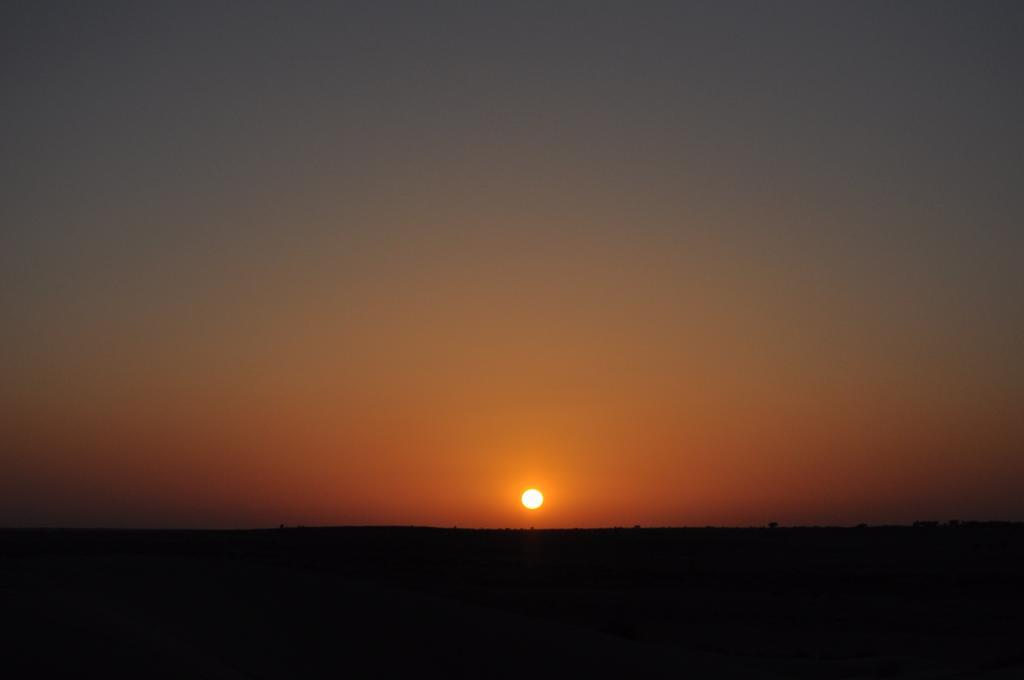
(532, 499)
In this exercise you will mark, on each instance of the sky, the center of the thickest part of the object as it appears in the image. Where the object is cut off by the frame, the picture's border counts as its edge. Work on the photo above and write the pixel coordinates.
(392, 263)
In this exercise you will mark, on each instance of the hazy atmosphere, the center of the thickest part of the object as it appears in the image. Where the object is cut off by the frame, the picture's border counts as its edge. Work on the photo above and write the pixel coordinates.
(392, 263)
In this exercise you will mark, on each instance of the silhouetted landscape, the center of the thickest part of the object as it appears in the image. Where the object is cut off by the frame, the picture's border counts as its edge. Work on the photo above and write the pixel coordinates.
(928, 601)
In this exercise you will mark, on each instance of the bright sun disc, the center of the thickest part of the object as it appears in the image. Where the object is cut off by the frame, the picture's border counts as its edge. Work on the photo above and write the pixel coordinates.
(533, 499)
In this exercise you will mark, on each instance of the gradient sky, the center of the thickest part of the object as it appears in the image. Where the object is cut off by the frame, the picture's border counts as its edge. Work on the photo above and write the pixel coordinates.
(380, 262)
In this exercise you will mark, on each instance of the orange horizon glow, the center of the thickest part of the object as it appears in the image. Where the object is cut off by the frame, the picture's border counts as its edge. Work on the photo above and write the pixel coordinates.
(355, 263)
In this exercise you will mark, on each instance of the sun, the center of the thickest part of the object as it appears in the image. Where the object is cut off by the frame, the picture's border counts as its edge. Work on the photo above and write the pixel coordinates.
(532, 499)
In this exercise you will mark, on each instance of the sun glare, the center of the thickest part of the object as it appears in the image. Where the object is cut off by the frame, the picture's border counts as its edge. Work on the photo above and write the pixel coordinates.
(532, 499)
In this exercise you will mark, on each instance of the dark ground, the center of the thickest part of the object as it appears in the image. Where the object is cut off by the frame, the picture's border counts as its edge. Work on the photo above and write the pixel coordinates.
(935, 602)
